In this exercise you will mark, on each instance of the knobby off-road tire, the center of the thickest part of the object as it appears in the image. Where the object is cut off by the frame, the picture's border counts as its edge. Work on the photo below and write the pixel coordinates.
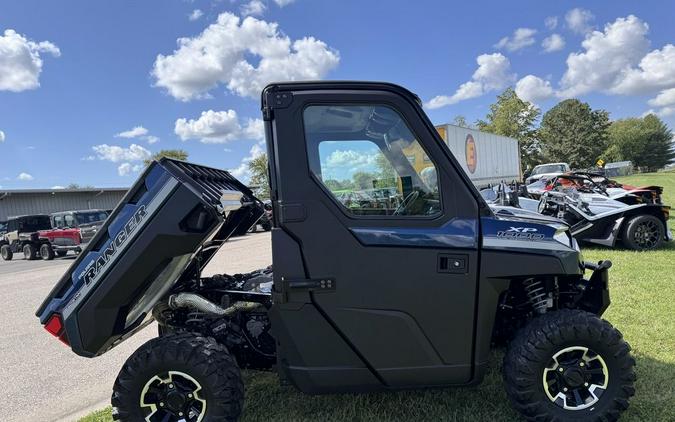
(29, 252)
(6, 252)
(528, 364)
(46, 252)
(189, 372)
(643, 232)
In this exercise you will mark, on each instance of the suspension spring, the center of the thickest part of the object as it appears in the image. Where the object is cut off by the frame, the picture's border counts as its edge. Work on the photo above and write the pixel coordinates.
(536, 294)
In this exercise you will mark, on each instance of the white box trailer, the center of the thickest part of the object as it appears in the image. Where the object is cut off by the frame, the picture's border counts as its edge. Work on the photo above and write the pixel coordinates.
(486, 158)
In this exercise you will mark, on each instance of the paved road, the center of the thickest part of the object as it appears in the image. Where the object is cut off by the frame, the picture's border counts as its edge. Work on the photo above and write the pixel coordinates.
(40, 378)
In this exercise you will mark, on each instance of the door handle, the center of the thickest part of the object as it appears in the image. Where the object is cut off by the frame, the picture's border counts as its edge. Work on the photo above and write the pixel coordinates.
(321, 284)
(453, 264)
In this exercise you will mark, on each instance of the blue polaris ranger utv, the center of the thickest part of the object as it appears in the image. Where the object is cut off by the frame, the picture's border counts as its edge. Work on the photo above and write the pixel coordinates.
(389, 272)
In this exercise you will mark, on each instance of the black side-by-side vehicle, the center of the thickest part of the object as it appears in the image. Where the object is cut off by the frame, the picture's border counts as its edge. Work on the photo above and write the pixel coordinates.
(406, 288)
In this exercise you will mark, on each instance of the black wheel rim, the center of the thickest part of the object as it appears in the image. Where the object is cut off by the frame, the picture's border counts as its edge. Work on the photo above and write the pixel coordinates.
(647, 234)
(173, 397)
(575, 378)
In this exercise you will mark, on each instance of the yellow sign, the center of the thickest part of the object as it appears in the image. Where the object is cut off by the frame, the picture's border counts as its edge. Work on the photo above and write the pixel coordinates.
(600, 163)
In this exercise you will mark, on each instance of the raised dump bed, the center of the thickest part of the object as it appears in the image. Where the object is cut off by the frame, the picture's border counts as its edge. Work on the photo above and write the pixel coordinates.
(174, 210)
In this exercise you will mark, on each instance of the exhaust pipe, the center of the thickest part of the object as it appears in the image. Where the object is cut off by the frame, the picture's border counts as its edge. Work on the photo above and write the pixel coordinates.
(195, 301)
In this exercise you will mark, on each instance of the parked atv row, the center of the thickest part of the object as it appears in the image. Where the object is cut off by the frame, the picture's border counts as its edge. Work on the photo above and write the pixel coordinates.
(597, 209)
(43, 236)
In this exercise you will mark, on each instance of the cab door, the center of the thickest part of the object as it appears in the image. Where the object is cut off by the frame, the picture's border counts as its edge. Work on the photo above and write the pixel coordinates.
(375, 243)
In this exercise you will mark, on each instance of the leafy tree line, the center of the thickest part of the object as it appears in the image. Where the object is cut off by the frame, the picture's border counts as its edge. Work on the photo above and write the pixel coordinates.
(575, 133)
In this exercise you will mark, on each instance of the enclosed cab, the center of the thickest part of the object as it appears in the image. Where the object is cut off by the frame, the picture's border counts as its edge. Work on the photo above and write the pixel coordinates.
(72, 230)
(23, 236)
(385, 275)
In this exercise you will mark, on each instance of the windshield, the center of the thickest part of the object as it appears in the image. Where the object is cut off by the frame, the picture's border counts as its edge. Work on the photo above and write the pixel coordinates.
(3, 226)
(90, 217)
(33, 224)
(549, 168)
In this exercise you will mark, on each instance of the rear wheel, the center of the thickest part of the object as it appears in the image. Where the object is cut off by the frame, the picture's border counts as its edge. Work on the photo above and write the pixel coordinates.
(29, 252)
(643, 232)
(179, 377)
(569, 365)
(6, 252)
(46, 252)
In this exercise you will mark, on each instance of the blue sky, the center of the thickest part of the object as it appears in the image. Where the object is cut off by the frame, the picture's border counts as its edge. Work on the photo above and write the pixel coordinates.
(77, 77)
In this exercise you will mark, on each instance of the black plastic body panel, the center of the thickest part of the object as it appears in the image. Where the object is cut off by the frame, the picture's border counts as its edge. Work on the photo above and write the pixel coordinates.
(147, 244)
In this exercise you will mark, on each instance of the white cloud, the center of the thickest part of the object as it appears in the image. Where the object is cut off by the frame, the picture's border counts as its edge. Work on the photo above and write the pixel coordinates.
(656, 70)
(554, 42)
(195, 15)
(242, 172)
(665, 98)
(551, 22)
(24, 177)
(2, 136)
(133, 133)
(282, 3)
(608, 58)
(20, 61)
(151, 139)
(579, 20)
(521, 38)
(253, 7)
(493, 73)
(350, 160)
(116, 153)
(533, 89)
(126, 169)
(58, 187)
(220, 54)
(217, 127)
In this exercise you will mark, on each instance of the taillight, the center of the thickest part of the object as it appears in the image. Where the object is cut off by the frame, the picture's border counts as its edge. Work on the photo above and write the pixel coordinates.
(55, 327)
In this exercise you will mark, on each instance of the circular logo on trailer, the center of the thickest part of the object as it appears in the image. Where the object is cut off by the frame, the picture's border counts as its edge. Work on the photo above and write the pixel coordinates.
(470, 152)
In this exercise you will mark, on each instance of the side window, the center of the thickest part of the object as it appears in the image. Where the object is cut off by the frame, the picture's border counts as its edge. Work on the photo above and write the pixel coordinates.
(69, 221)
(58, 221)
(370, 161)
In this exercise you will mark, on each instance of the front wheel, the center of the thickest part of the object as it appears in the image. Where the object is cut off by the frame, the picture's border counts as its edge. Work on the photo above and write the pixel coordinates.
(569, 365)
(46, 252)
(179, 377)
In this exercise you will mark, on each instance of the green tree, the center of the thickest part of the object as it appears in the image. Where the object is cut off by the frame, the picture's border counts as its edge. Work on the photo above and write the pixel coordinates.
(177, 154)
(510, 116)
(259, 179)
(572, 132)
(363, 180)
(646, 142)
(460, 121)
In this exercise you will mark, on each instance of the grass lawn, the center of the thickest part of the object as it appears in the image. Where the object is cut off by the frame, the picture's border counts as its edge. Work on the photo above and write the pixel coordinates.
(643, 307)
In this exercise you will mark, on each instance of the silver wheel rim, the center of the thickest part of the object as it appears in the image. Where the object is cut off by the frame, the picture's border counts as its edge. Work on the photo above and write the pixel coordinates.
(575, 378)
(154, 405)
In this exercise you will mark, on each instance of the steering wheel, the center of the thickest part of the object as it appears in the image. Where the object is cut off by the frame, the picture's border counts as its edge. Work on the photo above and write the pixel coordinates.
(409, 199)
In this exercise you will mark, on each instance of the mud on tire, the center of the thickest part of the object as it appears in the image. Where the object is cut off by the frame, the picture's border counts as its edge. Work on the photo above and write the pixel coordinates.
(174, 362)
(528, 361)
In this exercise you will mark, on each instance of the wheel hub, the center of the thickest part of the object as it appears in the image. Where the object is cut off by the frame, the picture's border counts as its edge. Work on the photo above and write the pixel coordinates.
(575, 378)
(173, 397)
